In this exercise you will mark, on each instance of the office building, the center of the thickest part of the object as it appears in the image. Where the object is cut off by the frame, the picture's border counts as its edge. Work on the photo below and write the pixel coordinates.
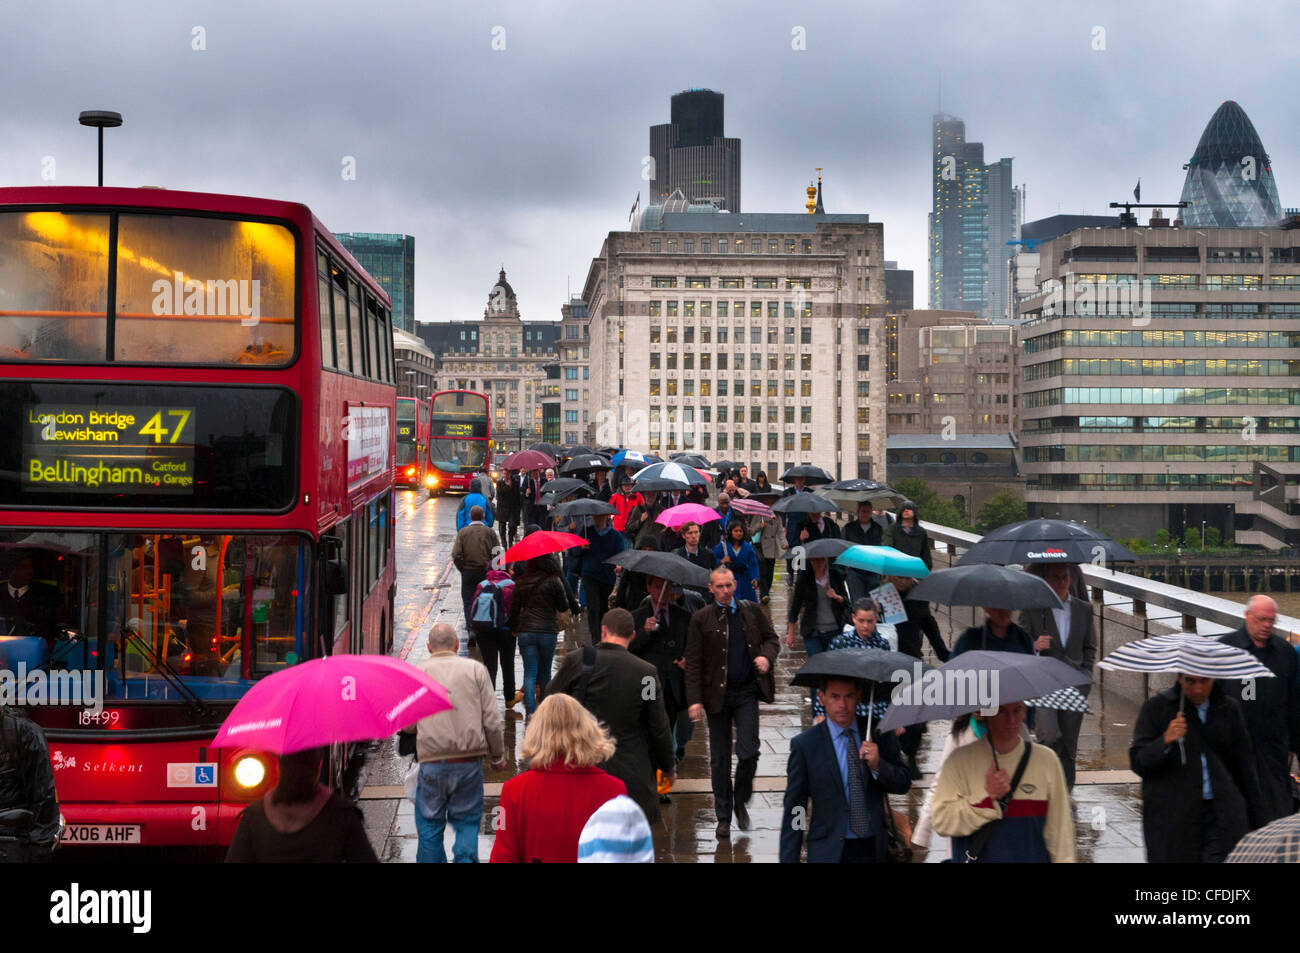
(957, 376)
(1229, 177)
(754, 337)
(975, 214)
(692, 155)
(506, 358)
(1160, 381)
(390, 260)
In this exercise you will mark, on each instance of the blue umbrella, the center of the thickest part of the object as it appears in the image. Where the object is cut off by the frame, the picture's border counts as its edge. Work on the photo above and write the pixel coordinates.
(627, 456)
(885, 560)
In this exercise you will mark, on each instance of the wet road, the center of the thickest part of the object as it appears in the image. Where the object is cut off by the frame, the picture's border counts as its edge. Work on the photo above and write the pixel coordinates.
(1107, 797)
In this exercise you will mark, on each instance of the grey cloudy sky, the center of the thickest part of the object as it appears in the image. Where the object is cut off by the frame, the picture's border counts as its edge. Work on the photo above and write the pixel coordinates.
(531, 154)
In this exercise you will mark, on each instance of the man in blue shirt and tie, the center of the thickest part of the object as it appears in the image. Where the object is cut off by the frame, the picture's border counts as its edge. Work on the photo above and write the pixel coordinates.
(847, 778)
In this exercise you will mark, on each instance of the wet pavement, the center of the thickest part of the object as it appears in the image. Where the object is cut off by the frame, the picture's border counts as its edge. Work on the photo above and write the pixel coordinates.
(1107, 798)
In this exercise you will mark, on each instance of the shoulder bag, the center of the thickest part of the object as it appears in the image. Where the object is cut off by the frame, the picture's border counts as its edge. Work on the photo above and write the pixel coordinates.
(980, 839)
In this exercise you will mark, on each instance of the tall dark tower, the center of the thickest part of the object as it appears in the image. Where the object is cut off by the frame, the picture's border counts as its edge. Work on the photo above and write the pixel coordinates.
(692, 154)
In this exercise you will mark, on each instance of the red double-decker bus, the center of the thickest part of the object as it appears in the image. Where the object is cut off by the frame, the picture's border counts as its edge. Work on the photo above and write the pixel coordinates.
(460, 439)
(196, 468)
(412, 465)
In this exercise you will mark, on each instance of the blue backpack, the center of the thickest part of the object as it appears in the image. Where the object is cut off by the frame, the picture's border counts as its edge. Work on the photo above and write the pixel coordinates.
(488, 610)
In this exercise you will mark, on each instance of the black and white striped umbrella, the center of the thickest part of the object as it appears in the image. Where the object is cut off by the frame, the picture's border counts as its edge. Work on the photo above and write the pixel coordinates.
(673, 472)
(1063, 699)
(1187, 654)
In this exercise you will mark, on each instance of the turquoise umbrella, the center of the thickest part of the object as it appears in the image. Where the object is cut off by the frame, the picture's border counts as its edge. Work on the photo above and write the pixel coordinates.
(885, 560)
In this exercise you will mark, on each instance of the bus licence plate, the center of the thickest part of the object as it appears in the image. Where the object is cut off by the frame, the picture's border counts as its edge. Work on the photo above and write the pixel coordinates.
(102, 834)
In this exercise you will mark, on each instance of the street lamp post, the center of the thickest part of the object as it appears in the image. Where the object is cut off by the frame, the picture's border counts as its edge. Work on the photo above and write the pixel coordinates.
(1202, 535)
(100, 119)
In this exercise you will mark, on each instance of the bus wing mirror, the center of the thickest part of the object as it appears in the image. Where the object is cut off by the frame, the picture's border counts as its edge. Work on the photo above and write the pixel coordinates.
(335, 577)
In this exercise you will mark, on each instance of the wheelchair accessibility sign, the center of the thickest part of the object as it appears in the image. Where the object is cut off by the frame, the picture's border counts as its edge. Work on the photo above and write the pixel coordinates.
(191, 775)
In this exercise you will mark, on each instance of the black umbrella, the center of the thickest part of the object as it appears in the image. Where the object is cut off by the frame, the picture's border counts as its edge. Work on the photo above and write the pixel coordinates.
(985, 585)
(668, 566)
(810, 474)
(658, 486)
(824, 548)
(585, 508)
(866, 665)
(724, 465)
(804, 503)
(877, 667)
(974, 680)
(607, 451)
(1045, 541)
(545, 447)
(556, 490)
(690, 460)
(573, 449)
(863, 491)
(585, 463)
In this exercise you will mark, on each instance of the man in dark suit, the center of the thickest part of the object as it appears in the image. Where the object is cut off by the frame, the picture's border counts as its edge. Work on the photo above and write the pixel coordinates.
(715, 531)
(1271, 705)
(26, 603)
(661, 622)
(731, 651)
(1066, 634)
(847, 779)
(624, 692)
(509, 507)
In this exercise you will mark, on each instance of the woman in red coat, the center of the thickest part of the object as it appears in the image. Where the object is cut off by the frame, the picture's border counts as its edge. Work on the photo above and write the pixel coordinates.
(544, 809)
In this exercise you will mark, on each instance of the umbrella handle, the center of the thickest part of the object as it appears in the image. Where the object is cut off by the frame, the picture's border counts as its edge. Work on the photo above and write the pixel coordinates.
(871, 709)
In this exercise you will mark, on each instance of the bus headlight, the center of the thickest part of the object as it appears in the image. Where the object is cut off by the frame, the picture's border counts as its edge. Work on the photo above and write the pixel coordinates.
(431, 481)
(410, 471)
(250, 771)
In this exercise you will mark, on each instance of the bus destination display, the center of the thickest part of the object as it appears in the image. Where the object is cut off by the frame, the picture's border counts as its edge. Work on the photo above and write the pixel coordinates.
(443, 428)
(108, 449)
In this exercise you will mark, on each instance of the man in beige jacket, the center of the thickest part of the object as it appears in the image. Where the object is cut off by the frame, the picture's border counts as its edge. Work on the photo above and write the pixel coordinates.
(451, 746)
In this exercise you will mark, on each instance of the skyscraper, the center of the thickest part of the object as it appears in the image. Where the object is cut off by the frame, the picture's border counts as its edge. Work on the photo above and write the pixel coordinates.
(976, 211)
(1229, 177)
(692, 155)
(390, 260)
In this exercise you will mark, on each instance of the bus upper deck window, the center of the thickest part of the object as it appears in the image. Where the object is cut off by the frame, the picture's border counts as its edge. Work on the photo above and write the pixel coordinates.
(204, 291)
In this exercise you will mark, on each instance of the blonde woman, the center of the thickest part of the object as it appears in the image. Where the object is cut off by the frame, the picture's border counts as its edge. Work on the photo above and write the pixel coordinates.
(544, 809)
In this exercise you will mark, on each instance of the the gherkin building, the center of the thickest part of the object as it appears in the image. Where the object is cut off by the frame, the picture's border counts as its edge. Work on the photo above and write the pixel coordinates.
(1229, 178)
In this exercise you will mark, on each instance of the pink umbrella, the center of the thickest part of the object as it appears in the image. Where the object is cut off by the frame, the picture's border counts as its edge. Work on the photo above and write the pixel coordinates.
(675, 516)
(704, 473)
(327, 700)
(751, 507)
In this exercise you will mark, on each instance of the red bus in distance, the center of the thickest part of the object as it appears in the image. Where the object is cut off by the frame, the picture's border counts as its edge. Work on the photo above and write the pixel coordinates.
(195, 485)
(411, 468)
(460, 441)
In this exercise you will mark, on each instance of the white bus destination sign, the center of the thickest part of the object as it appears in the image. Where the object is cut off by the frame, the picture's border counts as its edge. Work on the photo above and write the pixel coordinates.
(108, 449)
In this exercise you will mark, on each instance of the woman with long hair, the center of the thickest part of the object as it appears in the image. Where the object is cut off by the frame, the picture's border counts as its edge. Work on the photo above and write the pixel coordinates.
(301, 820)
(737, 554)
(540, 595)
(544, 809)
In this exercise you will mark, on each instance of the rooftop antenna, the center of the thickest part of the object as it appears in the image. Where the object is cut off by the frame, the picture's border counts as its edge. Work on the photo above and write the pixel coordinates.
(1128, 218)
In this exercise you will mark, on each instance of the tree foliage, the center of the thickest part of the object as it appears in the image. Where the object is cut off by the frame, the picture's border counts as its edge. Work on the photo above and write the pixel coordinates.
(999, 510)
(930, 506)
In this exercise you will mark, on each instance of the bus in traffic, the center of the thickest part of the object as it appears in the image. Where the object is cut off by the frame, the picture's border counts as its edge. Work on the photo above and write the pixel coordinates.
(460, 442)
(412, 466)
(196, 472)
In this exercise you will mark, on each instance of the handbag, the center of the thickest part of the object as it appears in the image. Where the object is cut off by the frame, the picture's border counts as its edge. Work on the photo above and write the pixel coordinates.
(980, 839)
(411, 781)
(565, 620)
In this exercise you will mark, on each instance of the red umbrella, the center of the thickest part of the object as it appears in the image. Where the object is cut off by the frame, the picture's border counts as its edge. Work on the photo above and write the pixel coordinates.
(704, 473)
(541, 543)
(527, 460)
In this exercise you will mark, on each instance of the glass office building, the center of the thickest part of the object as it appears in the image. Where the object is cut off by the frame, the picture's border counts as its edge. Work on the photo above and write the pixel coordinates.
(390, 260)
(1229, 178)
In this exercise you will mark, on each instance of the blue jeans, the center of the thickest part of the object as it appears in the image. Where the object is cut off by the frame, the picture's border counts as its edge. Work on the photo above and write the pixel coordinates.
(537, 649)
(449, 792)
(817, 642)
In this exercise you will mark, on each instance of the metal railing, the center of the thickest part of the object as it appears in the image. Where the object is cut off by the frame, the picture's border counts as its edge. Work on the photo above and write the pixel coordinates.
(1126, 607)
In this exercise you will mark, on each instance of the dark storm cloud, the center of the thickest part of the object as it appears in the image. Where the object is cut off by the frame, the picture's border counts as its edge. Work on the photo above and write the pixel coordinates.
(529, 155)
